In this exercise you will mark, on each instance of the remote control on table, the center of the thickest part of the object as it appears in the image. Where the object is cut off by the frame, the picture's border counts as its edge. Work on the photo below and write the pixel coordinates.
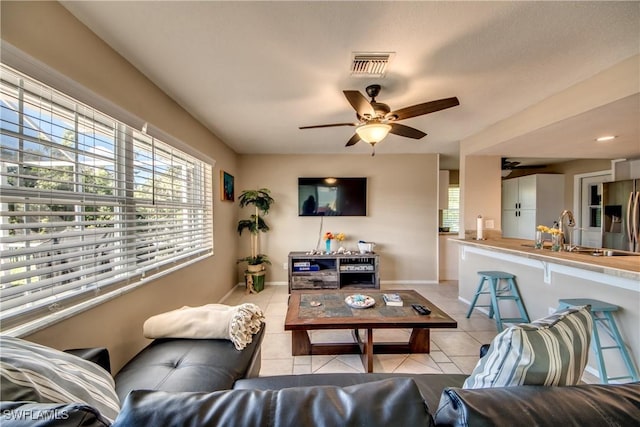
(421, 309)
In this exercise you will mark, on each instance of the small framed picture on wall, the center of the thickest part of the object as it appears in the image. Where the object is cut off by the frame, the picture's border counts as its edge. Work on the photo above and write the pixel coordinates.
(226, 186)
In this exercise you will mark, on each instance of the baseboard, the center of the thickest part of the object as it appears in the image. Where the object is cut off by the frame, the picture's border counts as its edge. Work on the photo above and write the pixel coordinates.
(408, 282)
(267, 283)
(382, 282)
(227, 295)
(480, 309)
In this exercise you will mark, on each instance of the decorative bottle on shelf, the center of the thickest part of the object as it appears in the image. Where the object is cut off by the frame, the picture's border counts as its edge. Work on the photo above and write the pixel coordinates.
(328, 245)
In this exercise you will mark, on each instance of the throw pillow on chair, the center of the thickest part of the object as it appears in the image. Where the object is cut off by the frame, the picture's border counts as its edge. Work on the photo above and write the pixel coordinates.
(552, 351)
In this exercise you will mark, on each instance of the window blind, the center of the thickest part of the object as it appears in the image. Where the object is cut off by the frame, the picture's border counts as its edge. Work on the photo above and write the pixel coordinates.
(451, 216)
(87, 202)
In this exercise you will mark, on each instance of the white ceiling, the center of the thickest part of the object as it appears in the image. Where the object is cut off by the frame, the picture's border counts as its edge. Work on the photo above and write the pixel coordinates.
(252, 72)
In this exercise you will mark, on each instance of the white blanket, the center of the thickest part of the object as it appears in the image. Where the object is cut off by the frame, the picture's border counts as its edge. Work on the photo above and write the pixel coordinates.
(218, 321)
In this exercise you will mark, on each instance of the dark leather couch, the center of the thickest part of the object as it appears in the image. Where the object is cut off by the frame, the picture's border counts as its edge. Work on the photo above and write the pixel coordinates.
(189, 390)
(429, 385)
(450, 405)
(175, 365)
(371, 400)
(189, 365)
(170, 366)
(209, 383)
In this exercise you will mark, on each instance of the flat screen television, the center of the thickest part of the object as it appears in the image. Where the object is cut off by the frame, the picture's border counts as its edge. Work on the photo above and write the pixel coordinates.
(332, 196)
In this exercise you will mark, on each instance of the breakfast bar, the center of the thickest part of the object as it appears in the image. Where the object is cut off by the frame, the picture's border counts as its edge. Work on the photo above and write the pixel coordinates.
(544, 277)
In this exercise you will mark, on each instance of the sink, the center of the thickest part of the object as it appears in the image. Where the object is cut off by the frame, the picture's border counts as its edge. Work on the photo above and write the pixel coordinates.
(531, 245)
(591, 251)
(602, 252)
(620, 253)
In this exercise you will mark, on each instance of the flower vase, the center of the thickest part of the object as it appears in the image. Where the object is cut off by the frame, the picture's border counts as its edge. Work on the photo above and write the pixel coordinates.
(556, 242)
(327, 246)
(539, 241)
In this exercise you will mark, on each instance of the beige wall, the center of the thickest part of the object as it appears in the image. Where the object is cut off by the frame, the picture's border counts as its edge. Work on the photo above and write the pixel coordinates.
(570, 169)
(573, 168)
(480, 193)
(47, 32)
(402, 212)
(402, 190)
(402, 216)
(482, 184)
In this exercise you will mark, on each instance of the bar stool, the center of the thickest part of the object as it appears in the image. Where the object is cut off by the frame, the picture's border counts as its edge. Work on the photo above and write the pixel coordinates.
(602, 313)
(508, 291)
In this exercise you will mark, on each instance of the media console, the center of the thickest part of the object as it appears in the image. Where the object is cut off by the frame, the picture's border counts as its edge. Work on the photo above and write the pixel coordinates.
(333, 271)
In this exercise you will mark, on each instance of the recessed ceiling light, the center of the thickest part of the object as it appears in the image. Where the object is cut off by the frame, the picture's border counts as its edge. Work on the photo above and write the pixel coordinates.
(605, 138)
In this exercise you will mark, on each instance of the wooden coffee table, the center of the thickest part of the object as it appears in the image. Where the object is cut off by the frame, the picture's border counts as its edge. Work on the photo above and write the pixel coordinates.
(334, 313)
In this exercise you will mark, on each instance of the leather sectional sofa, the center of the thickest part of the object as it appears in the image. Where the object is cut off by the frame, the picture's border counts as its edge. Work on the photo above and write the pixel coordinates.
(176, 382)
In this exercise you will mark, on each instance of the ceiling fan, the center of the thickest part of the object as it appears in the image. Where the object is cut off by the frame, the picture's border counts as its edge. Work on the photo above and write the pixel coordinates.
(509, 166)
(376, 120)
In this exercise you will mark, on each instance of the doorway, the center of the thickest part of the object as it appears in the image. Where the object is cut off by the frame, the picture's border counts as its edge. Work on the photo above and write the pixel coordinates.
(588, 208)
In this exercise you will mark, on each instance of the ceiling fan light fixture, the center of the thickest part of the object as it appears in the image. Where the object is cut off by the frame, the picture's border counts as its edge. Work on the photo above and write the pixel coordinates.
(373, 133)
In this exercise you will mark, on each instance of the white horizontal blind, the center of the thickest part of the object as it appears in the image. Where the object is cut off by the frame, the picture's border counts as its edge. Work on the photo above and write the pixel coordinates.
(87, 202)
(451, 216)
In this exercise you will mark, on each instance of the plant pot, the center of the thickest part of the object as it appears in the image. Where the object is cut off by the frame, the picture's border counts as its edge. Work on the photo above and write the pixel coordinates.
(254, 280)
(255, 268)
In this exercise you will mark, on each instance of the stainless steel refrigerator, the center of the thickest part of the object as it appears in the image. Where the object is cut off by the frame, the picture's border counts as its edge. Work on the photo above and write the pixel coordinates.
(621, 215)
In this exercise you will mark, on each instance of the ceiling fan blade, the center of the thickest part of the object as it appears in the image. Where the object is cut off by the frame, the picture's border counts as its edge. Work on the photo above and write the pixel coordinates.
(328, 126)
(359, 103)
(530, 167)
(425, 108)
(354, 140)
(509, 165)
(409, 132)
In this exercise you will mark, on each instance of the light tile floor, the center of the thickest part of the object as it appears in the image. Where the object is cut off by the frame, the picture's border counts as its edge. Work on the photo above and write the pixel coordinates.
(452, 350)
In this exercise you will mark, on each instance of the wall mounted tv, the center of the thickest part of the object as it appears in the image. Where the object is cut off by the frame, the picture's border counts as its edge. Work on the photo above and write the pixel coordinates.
(332, 196)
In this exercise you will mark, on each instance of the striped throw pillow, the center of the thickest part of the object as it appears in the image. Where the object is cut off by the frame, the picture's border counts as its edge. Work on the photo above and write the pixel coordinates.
(35, 373)
(552, 351)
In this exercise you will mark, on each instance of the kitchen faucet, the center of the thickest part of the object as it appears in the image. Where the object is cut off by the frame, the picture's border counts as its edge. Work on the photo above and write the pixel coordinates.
(572, 223)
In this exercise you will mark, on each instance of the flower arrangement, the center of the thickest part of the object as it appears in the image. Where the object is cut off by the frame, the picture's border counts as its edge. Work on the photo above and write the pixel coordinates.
(556, 239)
(550, 230)
(338, 236)
(329, 236)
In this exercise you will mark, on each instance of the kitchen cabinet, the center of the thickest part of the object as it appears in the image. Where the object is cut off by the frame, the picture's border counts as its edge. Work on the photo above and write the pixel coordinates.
(529, 201)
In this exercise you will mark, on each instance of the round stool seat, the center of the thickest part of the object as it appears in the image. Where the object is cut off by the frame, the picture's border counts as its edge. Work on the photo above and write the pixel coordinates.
(496, 274)
(595, 304)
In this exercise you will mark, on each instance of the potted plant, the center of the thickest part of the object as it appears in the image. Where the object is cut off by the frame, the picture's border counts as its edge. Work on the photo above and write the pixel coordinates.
(261, 200)
(255, 263)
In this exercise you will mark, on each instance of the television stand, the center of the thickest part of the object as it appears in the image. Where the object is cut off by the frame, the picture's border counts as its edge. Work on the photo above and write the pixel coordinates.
(333, 271)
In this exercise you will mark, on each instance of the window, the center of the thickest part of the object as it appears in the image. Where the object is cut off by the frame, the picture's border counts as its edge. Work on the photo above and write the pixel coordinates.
(451, 216)
(87, 203)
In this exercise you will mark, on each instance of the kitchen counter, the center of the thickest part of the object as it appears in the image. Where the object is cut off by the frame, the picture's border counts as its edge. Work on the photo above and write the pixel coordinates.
(544, 277)
(626, 267)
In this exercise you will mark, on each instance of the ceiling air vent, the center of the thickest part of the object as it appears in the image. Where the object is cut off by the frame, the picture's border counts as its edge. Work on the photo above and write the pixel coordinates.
(370, 64)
